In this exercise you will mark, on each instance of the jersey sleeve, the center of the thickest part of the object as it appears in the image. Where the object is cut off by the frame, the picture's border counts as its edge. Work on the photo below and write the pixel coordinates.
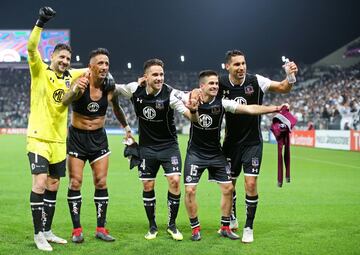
(264, 82)
(126, 90)
(229, 105)
(76, 73)
(176, 101)
(34, 56)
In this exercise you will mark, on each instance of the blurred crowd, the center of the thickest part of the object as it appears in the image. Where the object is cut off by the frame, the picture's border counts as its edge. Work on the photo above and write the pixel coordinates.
(323, 98)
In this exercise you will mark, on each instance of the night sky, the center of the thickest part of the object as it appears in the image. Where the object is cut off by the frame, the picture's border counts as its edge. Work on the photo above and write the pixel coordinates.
(202, 30)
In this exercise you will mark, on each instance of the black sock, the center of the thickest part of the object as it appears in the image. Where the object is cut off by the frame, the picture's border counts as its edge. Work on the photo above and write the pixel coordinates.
(49, 208)
(251, 205)
(225, 221)
(173, 208)
(150, 207)
(74, 200)
(194, 222)
(101, 199)
(37, 208)
(233, 209)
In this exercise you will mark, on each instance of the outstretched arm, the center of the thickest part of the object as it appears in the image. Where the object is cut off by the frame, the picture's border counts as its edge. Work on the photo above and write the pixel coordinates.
(35, 61)
(255, 109)
(284, 86)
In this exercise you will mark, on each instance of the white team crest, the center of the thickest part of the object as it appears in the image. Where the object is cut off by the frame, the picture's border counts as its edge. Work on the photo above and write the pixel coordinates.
(205, 120)
(240, 100)
(93, 107)
(149, 112)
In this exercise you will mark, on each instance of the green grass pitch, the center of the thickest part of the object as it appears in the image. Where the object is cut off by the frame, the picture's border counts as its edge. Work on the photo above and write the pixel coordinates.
(317, 213)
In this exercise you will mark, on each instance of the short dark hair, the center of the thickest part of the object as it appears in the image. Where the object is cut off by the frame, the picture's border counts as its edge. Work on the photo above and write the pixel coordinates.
(153, 62)
(232, 53)
(207, 73)
(98, 51)
(62, 46)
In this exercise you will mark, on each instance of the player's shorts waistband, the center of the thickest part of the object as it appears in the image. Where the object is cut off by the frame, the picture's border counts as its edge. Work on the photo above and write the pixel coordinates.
(99, 130)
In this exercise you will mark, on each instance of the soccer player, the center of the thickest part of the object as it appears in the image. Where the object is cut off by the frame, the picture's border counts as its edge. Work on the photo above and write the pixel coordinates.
(243, 141)
(87, 140)
(46, 133)
(205, 153)
(154, 105)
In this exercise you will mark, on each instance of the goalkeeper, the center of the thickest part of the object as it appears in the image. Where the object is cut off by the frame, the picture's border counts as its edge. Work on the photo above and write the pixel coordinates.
(46, 133)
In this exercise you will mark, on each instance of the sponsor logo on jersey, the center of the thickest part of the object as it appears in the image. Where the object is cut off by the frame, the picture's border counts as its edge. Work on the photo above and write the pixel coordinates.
(93, 107)
(149, 112)
(240, 100)
(205, 120)
(58, 95)
(159, 104)
(249, 90)
(215, 110)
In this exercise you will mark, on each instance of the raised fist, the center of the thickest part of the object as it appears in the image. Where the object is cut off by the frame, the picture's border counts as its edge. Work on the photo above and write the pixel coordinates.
(45, 14)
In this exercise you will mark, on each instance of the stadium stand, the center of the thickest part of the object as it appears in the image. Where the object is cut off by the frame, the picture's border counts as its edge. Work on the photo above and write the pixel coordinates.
(324, 97)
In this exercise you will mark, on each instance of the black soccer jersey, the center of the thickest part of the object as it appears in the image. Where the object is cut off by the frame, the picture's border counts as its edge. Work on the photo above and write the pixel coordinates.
(205, 134)
(156, 116)
(88, 107)
(241, 128)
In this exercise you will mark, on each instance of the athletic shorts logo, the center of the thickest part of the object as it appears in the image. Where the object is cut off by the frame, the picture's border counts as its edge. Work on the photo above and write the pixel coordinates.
(228, 169)
(205, 120)
(188, 178)
(33, 166)
(255, 162)
(174, 160)
(240, 100)
(149, 112)
(58, 95)
(93, 107)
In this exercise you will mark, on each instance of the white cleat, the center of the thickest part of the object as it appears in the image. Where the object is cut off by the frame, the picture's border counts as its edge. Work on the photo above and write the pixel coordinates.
(41, 242)
(248, 235)
(51, 238)
(234, 224)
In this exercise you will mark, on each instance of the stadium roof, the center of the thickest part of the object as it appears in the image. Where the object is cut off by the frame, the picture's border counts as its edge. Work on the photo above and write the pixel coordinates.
(339, 57)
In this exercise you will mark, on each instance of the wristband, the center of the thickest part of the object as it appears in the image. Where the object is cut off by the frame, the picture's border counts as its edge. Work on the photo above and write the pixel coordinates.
(127, 128)
(40, 23)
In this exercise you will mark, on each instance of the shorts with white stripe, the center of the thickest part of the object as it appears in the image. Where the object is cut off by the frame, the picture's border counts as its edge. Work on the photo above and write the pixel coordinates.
(89, 145)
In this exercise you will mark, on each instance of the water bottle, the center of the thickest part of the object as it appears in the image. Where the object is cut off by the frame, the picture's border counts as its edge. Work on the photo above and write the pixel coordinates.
(289, 76)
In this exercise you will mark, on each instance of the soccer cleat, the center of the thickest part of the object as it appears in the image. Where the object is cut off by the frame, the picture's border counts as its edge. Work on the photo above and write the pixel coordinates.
(151, 234)
(77, 235)
(234, 225)
(175, 233)
(225, 231)
(103, 234)
(51, 238)
(41, 242)
(195, 236)
(248, 235)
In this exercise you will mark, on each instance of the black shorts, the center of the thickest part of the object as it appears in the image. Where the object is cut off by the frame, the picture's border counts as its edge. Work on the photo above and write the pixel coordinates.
(169, 158)
(195, 165)
(247, 157)
(40, 165)
(87, 145)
